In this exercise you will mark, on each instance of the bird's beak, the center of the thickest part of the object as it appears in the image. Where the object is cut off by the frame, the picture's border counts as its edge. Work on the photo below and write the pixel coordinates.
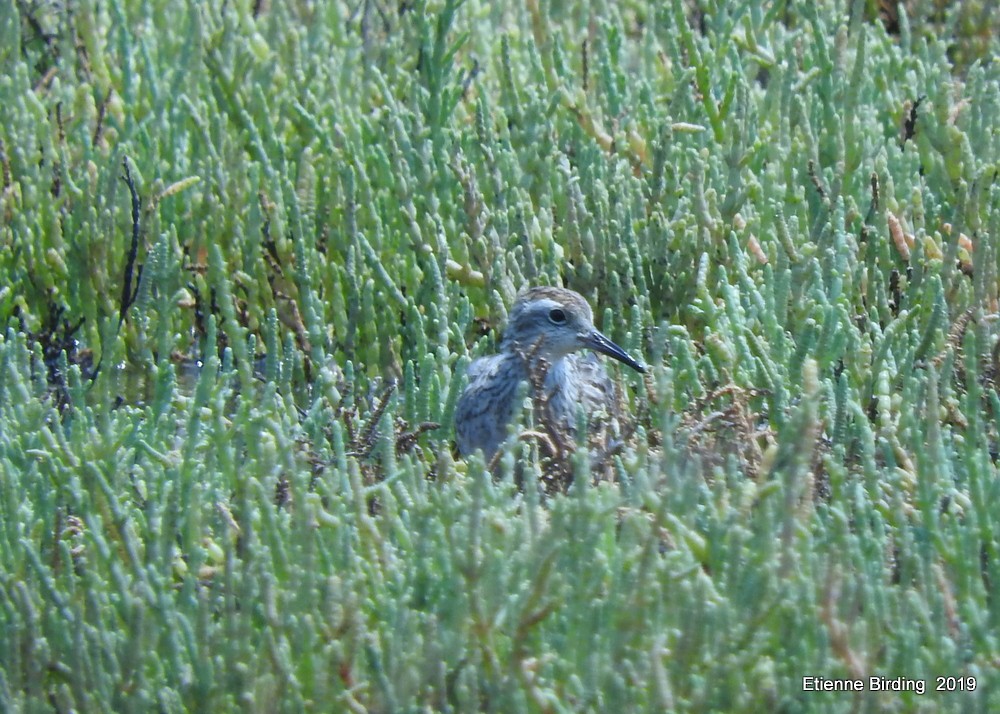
(599, 343)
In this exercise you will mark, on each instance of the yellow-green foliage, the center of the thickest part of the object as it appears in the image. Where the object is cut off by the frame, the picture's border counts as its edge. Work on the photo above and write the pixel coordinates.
(222, 503)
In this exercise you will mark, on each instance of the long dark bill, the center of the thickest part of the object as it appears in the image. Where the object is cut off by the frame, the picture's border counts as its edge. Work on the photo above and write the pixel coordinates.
(599, 343)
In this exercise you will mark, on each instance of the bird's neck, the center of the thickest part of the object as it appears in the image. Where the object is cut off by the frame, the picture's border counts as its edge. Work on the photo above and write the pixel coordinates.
(534, 356)
(556, 372)
(560, 377)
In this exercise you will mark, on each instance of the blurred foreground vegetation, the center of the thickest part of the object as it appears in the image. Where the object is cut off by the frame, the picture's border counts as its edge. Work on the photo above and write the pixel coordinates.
(249, 248)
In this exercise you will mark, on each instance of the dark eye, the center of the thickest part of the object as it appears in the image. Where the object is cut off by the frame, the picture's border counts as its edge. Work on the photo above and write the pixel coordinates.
(557, 316)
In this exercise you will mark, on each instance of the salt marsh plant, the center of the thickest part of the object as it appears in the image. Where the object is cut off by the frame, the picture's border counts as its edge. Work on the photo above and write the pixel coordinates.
(293, 225)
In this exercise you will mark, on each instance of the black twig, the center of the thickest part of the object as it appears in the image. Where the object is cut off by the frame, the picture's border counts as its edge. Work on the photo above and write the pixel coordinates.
(817, 182)
(102, 110)
(408, 439)
(875, 198)
(872, 207)
(5, 165)
(128, 292)
(910, 122)
(366, 440)
(470, 76)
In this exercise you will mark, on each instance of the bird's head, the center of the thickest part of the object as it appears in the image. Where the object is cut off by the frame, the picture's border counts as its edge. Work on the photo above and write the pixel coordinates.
(551, 323)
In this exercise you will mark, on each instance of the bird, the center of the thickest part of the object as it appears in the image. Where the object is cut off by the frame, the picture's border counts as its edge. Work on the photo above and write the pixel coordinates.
(551, 343)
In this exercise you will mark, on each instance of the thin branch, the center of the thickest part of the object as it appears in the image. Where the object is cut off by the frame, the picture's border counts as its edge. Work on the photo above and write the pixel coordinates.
(128, 293)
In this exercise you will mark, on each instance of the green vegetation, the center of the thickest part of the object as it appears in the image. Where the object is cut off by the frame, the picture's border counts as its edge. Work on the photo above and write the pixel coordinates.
(791, 210)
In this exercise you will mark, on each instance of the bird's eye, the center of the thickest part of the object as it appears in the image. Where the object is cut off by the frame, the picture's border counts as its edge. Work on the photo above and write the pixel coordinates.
(557, 316)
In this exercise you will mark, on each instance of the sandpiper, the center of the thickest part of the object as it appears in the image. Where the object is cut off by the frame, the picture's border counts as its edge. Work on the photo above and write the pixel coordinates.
(546, 331)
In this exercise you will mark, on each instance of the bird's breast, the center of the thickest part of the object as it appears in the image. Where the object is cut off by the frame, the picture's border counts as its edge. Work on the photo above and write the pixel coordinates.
(575, 381)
